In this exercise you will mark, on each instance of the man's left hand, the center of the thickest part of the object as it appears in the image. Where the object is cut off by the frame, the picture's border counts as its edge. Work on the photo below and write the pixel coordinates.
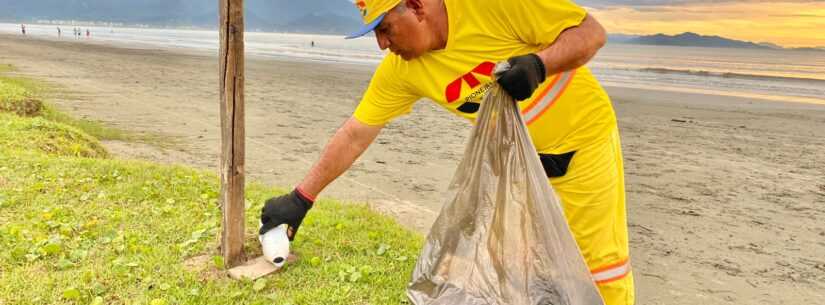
(288, 209)
(524, 76)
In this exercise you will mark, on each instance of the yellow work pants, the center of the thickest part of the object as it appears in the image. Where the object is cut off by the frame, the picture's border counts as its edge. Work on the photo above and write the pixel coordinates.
(592, 193)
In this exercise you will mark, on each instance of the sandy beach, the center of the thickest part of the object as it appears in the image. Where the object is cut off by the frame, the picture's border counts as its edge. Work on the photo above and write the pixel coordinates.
(726, 195)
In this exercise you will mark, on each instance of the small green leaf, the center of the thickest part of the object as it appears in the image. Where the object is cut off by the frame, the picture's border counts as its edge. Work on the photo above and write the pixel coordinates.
(164, 286)
(64, 264)
(98, 289)
(119, 261)
(32, 257)
(197, 234)
(51, 248)
(218, 261)
(71, 294)
(97, 301)
(355, 276)
(382, 249)
(259, 285)
(315, 261)
(365, 270)
(158, 302)
(65, 230)
(79, 254)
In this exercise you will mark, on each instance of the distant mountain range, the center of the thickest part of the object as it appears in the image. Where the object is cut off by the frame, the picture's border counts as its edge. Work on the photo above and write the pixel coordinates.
(310, 16)
(689, 39)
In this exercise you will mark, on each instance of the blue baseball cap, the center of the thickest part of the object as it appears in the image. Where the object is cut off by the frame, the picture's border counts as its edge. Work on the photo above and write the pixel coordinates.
(372, 13)
(369, 27)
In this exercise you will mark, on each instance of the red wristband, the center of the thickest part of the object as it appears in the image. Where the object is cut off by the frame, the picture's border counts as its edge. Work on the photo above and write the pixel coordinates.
(304, 194)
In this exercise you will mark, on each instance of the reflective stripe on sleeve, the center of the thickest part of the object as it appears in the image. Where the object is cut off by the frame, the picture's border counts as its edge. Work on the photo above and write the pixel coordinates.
(548, 97)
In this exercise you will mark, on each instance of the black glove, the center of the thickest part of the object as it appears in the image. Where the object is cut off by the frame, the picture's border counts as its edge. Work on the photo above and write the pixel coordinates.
(288, 209)
(524, 76)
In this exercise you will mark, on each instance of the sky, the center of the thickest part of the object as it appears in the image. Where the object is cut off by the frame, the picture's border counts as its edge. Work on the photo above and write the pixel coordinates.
(788, 23)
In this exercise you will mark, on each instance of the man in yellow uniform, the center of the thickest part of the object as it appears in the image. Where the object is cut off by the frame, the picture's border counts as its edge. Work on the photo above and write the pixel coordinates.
(446, 50)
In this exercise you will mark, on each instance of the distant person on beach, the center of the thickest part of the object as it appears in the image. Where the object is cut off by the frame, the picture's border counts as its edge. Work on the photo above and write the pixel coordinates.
(446, 51)
(312, 43)
(23, 28)
(88, 33)
(59, 33)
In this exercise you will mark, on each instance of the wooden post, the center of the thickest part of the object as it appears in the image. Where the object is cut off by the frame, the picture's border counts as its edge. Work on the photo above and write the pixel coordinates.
(231, 78)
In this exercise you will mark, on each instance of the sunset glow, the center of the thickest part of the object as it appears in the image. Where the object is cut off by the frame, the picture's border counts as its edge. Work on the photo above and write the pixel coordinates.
(787, 24)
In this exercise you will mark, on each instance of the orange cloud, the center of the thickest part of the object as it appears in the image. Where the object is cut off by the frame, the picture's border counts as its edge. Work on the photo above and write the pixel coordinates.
(789, 24)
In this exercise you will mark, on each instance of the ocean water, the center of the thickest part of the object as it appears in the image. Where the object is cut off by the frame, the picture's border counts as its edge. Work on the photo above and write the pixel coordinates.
(796, 76)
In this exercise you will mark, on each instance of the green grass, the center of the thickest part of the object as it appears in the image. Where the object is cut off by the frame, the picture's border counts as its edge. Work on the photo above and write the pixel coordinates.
(47, 137)
(95, 129)
(122, 230)
(78, 230)
(17, 96)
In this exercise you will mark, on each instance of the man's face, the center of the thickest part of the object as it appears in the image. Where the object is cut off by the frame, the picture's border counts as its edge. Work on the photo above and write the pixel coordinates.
(403, 33)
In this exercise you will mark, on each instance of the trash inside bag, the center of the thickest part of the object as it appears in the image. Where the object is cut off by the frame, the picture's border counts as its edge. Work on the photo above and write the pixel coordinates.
(501, 238)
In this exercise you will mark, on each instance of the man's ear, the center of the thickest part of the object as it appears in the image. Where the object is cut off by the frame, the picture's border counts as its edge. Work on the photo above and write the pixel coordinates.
(417, 6)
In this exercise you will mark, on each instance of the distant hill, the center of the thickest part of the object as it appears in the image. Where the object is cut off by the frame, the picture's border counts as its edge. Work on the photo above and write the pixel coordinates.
(689, 39)
(316, 16)
(621, 38)
(816, 49)
(695, 40)
(770, 45)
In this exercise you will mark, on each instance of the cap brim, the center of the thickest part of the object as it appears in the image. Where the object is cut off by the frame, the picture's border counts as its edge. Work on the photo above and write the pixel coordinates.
(366, 28)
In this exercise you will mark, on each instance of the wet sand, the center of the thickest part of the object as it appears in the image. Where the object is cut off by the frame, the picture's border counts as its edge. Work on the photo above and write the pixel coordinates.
(726, 195)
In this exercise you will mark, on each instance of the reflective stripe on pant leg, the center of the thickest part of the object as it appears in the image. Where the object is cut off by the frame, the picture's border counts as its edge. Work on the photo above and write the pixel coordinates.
(611, 273)
(593, 198)
(618, 292)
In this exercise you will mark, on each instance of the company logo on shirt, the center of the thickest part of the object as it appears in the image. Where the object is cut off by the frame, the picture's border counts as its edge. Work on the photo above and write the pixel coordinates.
(453, 90)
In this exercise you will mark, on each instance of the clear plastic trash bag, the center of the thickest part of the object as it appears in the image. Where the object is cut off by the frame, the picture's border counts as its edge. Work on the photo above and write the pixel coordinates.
(501, 238)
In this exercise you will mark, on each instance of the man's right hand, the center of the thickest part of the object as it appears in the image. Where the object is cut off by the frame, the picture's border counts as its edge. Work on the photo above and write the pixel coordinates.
(288, 209)
(525, 74)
